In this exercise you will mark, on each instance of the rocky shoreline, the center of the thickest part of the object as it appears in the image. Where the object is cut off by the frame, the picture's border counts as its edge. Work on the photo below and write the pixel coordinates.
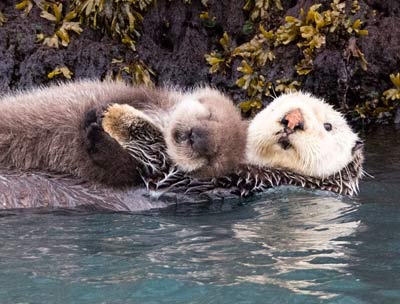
(174, 41)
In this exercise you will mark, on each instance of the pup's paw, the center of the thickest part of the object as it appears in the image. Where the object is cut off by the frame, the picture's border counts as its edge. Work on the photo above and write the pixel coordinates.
(93, 117)
(97, 140)
(122, 122)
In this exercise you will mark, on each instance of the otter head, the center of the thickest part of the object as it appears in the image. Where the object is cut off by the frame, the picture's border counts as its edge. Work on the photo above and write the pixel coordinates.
(304, 134)
(206, 135)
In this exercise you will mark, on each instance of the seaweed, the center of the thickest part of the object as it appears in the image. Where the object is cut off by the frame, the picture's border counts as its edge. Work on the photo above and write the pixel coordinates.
(137, 71)
(60, 70)
(309, 32)
(380, 108)
(3, 19)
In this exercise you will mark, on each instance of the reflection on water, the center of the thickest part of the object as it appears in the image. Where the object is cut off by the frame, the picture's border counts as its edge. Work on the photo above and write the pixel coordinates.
(289, 242)
(288, 246)
(303, 237)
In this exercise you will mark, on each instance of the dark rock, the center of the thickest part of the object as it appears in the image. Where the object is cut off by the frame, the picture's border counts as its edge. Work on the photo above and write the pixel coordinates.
(397, 117)
(174, 41)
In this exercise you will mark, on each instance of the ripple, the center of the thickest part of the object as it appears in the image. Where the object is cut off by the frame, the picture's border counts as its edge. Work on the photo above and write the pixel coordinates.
(288, 245)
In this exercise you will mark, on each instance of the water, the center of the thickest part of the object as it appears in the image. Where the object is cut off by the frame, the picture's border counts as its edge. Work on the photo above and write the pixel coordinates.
(289, 246)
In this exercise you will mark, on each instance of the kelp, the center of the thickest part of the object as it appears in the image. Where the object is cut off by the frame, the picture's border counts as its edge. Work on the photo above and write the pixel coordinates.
(381, 107)
(137, 71)
(119, 19)
(309, 32)
(60, 70)
(3, 19)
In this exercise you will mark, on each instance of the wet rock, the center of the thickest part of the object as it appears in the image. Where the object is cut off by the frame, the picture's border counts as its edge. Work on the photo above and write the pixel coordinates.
(174, 41)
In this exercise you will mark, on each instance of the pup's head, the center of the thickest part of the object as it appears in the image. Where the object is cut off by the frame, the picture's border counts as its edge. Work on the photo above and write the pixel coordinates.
(301, 133)
(206, 136)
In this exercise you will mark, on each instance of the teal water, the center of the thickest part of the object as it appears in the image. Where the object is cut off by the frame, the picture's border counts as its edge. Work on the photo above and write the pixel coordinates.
(288, 246)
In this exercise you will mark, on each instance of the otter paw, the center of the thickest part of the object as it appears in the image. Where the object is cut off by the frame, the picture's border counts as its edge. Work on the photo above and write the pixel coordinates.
(123, 122)
(93, 116)
(96, 137)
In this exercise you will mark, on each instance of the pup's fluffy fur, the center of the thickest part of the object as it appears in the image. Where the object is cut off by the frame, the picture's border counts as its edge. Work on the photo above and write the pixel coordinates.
(57, 129)
(204, 133)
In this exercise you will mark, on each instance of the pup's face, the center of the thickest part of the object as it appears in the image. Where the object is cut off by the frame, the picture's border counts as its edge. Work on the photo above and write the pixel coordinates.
(301, 133)
(206, 136)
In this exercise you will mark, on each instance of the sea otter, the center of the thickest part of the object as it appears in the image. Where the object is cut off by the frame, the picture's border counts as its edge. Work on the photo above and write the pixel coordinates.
(301, 133)
(204, 133)
(288, 135)
(59, 129)
(245, 180)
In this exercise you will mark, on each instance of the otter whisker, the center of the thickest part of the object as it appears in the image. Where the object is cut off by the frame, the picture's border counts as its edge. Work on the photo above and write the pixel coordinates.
(340, 182)
(367, 174)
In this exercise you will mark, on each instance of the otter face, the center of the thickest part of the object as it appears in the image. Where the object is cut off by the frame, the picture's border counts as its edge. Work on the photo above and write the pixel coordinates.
(302, 133)
(206, 135)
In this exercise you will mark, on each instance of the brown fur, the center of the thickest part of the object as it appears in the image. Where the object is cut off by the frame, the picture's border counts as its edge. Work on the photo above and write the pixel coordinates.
(204, 133)
(221, 133)
(58, 129)
(55, 129)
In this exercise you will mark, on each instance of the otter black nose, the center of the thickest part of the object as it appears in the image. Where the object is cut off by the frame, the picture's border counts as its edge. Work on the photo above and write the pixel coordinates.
(293, 121)
(199, 140)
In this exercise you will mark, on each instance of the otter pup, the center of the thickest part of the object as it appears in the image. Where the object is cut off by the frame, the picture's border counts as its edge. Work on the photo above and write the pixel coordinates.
(204, 133)
(59, 129)
(301, 133)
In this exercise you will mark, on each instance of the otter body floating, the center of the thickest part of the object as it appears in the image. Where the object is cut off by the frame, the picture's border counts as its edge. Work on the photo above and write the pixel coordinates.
(294, 141)
(60, 129)
(146, 151)
(39, 190)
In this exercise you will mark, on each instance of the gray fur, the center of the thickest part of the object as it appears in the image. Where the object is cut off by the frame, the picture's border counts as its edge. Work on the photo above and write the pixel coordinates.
(44, 129)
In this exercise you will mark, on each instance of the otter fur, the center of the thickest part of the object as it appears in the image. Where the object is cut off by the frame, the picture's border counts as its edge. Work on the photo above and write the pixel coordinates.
(60, 129)
(204, 134)
(272, 132)
(55, 129)
(303, 134)
(173, 183)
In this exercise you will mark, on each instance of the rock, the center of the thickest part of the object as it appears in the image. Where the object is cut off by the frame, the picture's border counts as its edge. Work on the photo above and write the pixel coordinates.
(174, 41)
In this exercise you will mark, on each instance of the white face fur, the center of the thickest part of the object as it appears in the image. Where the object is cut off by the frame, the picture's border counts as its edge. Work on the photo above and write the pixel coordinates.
(318, 150)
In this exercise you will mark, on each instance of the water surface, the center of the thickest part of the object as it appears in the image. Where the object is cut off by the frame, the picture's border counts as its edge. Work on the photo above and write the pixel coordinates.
(287, 246)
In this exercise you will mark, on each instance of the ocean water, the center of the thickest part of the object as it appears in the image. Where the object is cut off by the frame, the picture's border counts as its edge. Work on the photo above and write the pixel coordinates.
(286, 246)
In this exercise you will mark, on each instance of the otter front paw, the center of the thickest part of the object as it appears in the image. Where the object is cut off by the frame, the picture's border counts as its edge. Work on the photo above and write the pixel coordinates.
(93, 129)
(126, 124)
(99, 143)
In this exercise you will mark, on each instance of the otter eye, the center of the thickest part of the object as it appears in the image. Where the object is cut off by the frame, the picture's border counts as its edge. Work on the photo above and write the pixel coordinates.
(180, 136)
(328, 126)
